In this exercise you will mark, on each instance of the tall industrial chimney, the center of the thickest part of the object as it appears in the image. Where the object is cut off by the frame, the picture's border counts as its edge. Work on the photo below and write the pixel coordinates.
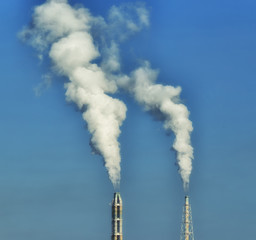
(117, 221)
(187, 232)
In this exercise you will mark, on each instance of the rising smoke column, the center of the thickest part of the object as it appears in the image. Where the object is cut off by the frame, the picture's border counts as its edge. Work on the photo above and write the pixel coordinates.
(165, 100)
(164, 103)
(69, 35)
(64, 32)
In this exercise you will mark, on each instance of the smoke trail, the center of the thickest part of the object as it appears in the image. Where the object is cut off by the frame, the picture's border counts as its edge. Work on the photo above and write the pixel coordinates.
(163, 102)
(69, 36)
(65, 33)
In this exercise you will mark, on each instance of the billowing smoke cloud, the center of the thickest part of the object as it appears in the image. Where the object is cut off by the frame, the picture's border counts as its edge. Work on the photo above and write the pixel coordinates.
(85, 49)
(65, 34)
(163, 102)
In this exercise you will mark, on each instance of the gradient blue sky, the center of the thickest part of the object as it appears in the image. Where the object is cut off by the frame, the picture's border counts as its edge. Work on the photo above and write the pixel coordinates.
(52, 187)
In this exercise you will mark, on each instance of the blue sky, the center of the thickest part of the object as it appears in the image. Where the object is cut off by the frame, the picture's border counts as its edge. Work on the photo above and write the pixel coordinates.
(53, 187)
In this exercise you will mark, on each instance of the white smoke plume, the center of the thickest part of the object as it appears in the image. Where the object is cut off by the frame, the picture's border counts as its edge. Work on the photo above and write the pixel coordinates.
(163, 102)
(64, 33)
(85, 49)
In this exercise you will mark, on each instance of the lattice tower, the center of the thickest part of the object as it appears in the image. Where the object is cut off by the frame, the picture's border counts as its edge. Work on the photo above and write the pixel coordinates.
(187, 232)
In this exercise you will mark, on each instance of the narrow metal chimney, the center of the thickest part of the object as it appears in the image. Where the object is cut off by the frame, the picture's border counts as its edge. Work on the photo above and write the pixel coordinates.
(117, 221)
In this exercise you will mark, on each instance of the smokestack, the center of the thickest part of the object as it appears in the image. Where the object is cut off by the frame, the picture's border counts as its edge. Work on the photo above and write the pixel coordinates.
(187, 232)
(117, 221)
